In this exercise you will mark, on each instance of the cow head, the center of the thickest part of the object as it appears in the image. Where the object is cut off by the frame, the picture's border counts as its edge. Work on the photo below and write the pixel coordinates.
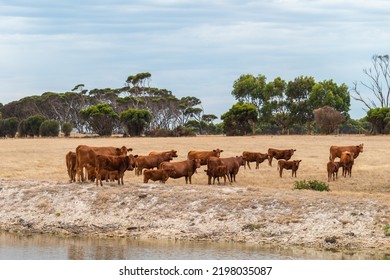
(360, 148)
(131, 164)
(296, 164)
(174, 153)
(197, 162)
(217, 152)
(241, 160)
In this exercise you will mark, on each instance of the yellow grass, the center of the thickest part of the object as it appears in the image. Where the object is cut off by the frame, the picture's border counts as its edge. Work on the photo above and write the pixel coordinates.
(44, 159)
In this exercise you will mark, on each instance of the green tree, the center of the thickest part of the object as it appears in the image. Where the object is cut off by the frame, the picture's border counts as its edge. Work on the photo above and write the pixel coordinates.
(379, 119)
(101, 118)
(49, 128)
(32, 124)
(66, 128)
(135, 121)
(240, 119)
(297, 93)
(8, 127)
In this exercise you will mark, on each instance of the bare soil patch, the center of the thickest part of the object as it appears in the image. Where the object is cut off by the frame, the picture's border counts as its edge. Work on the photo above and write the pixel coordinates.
(35, 195)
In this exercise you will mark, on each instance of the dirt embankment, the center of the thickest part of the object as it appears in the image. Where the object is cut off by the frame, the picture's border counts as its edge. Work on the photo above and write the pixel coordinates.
(197, 212)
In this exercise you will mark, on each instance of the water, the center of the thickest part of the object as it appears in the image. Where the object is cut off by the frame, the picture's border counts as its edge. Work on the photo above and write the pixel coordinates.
(49, 247)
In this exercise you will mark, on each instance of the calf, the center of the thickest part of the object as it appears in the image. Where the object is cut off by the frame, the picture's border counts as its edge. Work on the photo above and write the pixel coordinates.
(279, 154)
(333, 169)
(215, 169)
(347, 160)
(288, 164)
(254, 157)
(70, 159)
(161, 175)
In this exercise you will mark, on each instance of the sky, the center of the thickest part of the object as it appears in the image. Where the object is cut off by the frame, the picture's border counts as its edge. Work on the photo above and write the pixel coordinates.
(190, 47)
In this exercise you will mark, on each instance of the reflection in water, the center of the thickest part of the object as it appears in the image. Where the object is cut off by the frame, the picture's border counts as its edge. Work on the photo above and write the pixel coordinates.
(44, 247)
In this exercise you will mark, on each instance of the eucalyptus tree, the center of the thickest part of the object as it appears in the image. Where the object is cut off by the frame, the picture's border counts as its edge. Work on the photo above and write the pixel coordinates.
(240, 119)
(101, 118)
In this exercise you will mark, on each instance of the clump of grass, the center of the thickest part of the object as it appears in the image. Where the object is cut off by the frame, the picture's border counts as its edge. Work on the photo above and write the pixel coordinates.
(386, 230)
(311, 185)
(252, 227)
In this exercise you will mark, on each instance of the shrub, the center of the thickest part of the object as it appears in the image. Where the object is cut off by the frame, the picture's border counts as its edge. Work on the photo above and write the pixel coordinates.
(67, 128)
(311, 185)
(49, 128)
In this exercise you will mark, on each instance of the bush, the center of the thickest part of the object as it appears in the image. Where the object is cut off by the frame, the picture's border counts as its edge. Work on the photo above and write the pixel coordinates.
(67, 128)
(8, 127)
(311, 185)
(49, 128)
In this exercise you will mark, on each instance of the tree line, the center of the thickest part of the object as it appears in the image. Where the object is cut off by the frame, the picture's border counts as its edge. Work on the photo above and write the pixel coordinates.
(300, 106)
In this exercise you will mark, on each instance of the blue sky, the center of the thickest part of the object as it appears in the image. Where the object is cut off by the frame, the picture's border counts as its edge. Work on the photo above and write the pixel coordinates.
(193, 48)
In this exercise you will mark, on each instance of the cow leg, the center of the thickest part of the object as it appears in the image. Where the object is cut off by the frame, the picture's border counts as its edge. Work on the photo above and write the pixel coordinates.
(248, 164)
(257, 164)
(280, 172)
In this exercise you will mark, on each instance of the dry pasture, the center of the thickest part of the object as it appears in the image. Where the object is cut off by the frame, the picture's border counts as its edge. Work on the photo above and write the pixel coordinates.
(44, 159)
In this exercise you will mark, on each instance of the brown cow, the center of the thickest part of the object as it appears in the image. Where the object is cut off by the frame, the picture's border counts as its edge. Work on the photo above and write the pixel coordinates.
(172, 152)
(86, 155)
(279, 154)
(335, 151)
(113, 163)
(215, 169)
(161, 175)
(288, 164)
(233, 166)
(150, 162)
(347, 159)
(254, 157)
(71, 165)
(204, 155)
(333, 169)
(184, 168)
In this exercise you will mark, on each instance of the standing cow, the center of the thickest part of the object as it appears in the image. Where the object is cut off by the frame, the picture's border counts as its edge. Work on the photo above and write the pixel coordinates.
(70, 159)
(289, 165)
(279, 154)
(204, 155)
(254, 157)
(184, 168)
(335, 151)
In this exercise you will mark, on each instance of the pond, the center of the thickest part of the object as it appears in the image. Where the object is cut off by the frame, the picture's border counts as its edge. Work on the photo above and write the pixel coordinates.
(49, 247)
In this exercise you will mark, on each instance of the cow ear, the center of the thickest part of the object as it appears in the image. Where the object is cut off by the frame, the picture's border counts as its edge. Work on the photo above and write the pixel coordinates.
(221, 151)
(129, 149)
(135, 156)
(214, 151)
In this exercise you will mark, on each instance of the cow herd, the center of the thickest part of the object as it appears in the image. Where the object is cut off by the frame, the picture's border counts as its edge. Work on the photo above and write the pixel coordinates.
(93, 164)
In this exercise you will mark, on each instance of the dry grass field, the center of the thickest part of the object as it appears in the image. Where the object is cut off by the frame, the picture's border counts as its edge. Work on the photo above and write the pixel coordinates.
(260, 207)
(44, 159)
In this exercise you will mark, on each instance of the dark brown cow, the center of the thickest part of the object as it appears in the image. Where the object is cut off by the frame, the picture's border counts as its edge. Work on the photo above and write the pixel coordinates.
(204, 155)
(347, 160)
(233, 166)
(150, 162)
(184, 168)
(161, 175)
(254, 157)
(335, 151)
(173, 153)
(216, 169)
(71, 165)
(279, 154)
(333, 169)
(289, 165)
(113, 163)
(86, 155)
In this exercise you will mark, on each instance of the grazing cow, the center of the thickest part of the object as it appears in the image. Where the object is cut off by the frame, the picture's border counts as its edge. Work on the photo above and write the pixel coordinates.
(335, 151)
(347, 159)
(279, 154)
(173, 153)
(233, 166)
(86, 155)
(288, 164)
(215, 169)
(113, 163)
(254, 157)
(204, 155)
(333, 169)
(150, 162)
(161, 175)
(71, 166)
(184, 168)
